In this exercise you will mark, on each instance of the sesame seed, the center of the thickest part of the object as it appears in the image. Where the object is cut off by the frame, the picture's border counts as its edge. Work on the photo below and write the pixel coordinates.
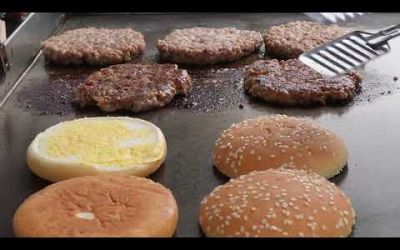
(287, 222)
(299, 216)
(312, 226)
(273, 228)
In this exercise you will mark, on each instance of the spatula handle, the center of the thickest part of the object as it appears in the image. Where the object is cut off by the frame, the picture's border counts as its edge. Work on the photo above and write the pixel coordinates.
(380, 38)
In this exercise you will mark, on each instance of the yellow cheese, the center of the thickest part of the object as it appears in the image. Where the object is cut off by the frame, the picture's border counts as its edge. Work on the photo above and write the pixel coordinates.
(106, 143)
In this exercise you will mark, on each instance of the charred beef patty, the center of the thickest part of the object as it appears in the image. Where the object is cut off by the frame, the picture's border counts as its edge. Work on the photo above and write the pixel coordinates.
(202, 46)
(135, 87)
(94, 46)
(294, 38)
(293, 83)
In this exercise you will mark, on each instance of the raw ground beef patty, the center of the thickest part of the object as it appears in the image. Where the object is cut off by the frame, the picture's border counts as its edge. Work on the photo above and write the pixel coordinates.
(92, 46)
(202, 46)
(294, 38)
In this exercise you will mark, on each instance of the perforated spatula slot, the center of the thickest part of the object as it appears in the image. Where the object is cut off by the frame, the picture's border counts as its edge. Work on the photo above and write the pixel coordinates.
(352, 51)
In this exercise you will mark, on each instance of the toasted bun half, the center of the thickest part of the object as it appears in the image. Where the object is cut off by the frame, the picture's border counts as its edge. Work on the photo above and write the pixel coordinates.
(279, 141)
(98, 206)
(277, 203)
(92, 146)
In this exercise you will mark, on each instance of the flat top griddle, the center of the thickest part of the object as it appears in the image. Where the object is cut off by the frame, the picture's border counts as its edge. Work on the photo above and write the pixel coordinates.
(370, 124)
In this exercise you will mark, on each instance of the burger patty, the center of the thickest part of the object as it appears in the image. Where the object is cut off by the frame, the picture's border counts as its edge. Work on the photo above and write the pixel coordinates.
(94, 46)
(202, 46)
(291, 82)
(135, 87)
(294, 38)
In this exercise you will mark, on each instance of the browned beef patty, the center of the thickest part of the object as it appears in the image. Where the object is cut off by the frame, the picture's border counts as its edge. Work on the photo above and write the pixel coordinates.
(94, 46)
(135, 87)
(291, 82)
(202, 46)
(294, 38)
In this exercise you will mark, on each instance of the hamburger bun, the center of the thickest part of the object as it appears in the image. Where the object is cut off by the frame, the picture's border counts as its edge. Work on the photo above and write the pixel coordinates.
(279, 141)
(91, 146)
(98, 206)
(277, 203)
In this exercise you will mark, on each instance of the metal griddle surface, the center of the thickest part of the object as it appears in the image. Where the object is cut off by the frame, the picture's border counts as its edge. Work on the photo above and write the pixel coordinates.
(370, 124)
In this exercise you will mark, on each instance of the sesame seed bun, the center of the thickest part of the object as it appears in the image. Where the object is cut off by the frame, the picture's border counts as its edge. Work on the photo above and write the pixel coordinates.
(98, 145)
(279, 142)
(98, 206)
(277, 203)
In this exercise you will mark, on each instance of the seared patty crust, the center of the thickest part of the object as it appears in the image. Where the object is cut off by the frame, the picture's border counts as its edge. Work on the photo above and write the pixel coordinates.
(294, 38)
(92, 46)
(291, 82)
(202, 46)
(135, 87)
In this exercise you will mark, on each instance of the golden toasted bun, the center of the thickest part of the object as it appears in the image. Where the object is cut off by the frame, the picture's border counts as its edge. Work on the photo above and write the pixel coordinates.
(277, 203)
(86, 147)
(98, 206)
(279, 142)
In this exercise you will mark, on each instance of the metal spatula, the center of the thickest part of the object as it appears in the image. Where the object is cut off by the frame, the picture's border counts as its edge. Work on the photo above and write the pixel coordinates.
(334, 17)
(350, 52)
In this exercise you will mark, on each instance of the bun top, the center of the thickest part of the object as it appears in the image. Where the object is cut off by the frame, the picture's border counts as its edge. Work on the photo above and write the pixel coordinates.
(279, 141)
(99, 206)
(277, 203)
